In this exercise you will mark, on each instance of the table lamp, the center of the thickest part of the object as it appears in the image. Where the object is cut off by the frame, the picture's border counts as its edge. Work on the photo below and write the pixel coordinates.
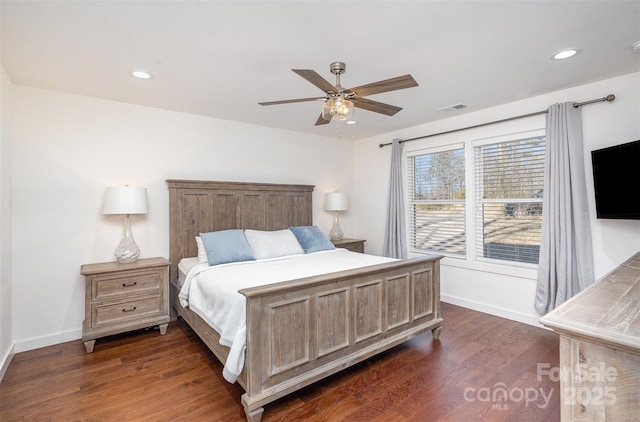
(336, 202)
(126, 200)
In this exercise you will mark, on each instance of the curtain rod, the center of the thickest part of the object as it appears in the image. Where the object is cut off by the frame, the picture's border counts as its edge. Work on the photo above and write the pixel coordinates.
(608, 98)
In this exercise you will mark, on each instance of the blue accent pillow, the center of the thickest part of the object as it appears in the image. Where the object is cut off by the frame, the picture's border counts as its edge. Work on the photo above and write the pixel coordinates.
(227, 246)
(311, 239)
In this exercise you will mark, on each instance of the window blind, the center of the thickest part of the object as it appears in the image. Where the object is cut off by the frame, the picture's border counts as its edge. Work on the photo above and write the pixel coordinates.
(436, 184)
(509, 181)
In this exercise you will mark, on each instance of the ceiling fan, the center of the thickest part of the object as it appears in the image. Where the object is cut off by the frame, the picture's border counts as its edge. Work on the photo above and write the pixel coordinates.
(340, 101)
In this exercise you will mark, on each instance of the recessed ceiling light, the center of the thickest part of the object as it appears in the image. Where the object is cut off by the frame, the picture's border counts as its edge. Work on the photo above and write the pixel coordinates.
(565, 54)
(140, 74)
(351, 122)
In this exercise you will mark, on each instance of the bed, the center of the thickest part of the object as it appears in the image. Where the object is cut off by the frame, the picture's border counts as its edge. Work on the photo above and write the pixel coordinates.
(302, 330)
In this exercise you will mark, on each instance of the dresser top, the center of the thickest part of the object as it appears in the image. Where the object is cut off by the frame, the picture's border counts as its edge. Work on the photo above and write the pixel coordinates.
(107, 267)
(608, 311)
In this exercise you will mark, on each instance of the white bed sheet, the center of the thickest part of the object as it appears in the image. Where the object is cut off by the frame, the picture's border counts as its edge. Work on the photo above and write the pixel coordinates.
(184, 266)
(212, 292)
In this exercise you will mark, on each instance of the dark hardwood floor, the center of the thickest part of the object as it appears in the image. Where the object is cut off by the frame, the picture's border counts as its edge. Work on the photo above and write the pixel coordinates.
(143, 376)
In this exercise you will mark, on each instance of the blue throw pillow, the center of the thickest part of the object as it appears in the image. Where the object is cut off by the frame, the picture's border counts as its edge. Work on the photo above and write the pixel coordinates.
(312, 239)
(227, 246)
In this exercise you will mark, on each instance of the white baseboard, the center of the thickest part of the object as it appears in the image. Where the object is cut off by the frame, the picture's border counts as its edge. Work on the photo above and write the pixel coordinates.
(493, 310)
(36, 343)
(6, 360)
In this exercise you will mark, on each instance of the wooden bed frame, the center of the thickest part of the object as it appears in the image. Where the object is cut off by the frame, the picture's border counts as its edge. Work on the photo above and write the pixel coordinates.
(300, 331)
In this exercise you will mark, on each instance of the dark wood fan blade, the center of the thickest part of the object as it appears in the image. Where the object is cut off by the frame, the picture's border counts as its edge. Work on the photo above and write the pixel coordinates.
(376, 106)
(322, 121)
(393, 84)
(298, 100)
(313, 77)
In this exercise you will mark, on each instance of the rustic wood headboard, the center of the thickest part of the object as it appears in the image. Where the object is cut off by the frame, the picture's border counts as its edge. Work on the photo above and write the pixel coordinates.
(197, 206)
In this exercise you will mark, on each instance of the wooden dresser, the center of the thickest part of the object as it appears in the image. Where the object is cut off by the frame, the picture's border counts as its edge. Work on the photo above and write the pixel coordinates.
(600, 348)
(124, 297)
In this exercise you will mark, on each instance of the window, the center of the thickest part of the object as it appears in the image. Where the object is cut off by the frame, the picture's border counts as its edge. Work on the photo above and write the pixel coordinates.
(509, 180)
(436, 182)
(479, 200)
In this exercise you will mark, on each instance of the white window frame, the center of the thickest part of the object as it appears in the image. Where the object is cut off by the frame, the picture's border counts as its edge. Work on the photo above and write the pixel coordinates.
(469, 139)
(491, 141)
(434, 150)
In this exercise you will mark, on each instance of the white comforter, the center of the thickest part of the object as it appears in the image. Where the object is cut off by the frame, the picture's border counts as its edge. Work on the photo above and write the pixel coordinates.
(212, 292)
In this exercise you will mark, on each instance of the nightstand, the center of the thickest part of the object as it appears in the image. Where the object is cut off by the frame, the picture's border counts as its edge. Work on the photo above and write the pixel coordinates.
(124, 297)
(354, 245)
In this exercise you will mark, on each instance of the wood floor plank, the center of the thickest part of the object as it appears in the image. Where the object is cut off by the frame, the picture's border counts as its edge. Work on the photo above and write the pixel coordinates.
(143, 376)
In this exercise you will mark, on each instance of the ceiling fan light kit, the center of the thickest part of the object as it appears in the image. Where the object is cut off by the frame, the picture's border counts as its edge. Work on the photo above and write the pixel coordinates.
(341, 102)
(337, 107)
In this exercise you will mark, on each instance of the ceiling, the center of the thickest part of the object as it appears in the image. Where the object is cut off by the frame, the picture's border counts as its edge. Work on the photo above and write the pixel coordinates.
(220, 58)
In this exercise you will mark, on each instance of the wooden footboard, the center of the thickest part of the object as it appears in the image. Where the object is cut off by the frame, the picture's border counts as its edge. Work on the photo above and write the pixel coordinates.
(301, 331)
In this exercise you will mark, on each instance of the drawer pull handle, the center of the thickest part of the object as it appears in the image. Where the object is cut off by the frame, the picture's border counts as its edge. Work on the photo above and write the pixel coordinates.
(133, 308)
(129, 284)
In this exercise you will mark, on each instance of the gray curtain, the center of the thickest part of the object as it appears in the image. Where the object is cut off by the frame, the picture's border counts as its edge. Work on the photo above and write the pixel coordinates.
(566, 259)
(395, 238)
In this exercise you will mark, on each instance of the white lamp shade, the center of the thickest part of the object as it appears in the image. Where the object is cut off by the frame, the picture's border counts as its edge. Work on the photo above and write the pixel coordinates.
(335, 201)
(125, 200)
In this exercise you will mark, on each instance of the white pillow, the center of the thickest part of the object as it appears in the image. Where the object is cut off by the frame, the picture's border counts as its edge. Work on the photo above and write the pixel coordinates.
(271, 244)
(202, 252)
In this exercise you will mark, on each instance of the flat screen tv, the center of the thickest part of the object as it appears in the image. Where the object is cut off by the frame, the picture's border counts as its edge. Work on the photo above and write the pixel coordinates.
(616, 180)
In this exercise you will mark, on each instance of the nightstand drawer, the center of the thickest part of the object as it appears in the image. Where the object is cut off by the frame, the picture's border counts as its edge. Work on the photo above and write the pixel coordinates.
(125, 284)
(122, 312)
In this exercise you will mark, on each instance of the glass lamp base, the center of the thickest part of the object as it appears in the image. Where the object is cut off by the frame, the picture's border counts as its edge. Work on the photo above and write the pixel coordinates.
(127, 251)
(336, 230)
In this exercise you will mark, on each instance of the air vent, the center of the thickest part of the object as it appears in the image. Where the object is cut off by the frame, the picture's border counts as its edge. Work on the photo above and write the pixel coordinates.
(453, 107)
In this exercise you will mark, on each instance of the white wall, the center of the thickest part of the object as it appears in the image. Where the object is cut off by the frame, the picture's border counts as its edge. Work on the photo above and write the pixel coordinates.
(68, 148)
(6, 317)
(490, 288)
